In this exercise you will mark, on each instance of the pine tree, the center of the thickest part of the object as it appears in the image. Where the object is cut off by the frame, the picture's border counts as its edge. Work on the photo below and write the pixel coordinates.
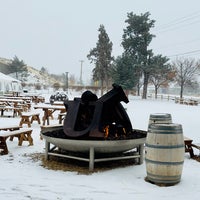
(136, 40)
(17, 66)
(123, 72)
(102, 58)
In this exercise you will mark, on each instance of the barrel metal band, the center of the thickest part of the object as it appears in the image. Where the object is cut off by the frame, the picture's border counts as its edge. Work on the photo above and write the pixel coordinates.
(165, 179)
(163, 163)
(164, 132)
(165, 147)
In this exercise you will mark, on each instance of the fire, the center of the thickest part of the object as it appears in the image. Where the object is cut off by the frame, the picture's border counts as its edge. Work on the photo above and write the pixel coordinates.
(106, 131)
(114, 131)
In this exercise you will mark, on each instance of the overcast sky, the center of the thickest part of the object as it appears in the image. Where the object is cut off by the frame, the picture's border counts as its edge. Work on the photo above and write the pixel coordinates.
(58, 34)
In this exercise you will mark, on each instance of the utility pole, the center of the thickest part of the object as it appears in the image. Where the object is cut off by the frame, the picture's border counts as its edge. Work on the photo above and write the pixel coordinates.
(81, 80)
(67, 81)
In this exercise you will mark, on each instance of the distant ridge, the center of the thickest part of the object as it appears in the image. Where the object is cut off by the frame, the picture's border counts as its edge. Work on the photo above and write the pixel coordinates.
(35, 76)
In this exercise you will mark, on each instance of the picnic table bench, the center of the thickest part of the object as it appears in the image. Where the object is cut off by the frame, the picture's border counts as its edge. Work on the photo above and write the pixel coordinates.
(14, 110)
(49, 110)
(191, 102)
(61, 117)
(29, 117)
(10, 128)
(22, 135)
(189, 146)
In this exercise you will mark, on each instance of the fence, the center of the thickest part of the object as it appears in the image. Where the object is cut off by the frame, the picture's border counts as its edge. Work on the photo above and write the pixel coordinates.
(176, 99)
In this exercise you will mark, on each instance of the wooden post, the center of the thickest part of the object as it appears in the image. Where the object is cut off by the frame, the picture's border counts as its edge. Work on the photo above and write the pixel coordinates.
(91, 162)
(47, 148)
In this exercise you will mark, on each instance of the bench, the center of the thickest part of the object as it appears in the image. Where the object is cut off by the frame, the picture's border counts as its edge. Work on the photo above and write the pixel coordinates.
(17, 111)
(21, 134)
(50, 114)
(61, 116)
(28, 118)
(188, 146)
(10, 128)
(7, 109)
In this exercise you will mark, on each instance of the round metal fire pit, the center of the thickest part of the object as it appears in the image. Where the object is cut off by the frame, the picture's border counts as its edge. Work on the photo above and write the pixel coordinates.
(119, 147)
(100, 146)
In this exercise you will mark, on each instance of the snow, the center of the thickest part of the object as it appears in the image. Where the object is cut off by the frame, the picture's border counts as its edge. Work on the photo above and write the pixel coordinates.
(23, 178)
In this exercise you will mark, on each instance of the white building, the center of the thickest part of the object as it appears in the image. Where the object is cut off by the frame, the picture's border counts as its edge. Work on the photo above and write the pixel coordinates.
(9, 84)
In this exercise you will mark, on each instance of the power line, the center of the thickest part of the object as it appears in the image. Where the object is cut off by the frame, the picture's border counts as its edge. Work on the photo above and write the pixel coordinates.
(180, 23)
(178, 27)
(180, 43)
(185, 53)
(180, 20)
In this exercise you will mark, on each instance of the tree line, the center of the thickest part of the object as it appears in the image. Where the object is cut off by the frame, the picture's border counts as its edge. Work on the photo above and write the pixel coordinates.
(138, 65)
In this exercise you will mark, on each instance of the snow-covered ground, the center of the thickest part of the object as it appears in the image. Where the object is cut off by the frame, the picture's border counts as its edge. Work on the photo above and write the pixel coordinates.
(22, 178)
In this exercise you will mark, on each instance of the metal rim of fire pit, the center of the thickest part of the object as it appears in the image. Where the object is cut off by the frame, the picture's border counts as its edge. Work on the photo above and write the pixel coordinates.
(101, 146)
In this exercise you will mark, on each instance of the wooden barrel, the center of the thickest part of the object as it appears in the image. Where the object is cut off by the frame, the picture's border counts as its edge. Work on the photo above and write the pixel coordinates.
(164, 153)
(160, 118)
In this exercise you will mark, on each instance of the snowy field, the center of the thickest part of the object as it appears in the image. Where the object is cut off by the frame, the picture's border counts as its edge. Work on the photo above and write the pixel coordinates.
(21, 178)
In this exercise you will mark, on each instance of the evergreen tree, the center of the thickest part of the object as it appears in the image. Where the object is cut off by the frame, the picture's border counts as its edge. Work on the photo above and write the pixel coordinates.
(17, 66)
(136, 40)
(44, 70)
(101, 57)
(123, 72)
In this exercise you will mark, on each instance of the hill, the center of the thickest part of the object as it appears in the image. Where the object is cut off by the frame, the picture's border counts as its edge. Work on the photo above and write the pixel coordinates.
(34, 75)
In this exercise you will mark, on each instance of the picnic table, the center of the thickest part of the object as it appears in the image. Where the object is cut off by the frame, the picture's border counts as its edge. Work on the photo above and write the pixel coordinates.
(28, 118)
(10, 128)
(9, 102)
(22, 135)
(14, 105)
(49, 110)
(191, 102)
(189, 146)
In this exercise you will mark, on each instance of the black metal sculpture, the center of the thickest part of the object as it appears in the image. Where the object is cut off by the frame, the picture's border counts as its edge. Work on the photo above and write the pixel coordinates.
(89, 116)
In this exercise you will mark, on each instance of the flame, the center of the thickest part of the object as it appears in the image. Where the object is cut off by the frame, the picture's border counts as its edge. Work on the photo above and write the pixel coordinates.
(117, 132)
(106, 131)
(124, 130)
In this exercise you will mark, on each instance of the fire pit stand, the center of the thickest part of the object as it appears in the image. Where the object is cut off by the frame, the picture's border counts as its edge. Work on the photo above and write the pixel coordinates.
(109, 150)
(96, 126)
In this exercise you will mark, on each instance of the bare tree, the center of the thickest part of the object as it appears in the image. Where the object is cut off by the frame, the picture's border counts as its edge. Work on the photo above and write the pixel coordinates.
(161, 73)
(185, 71)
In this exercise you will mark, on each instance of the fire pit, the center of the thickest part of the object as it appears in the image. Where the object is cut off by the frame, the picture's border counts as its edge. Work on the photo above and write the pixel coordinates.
(97, 129)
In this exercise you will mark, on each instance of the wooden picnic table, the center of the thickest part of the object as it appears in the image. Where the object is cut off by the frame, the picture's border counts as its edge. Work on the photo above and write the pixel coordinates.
(28, 118)
(21, 134)
(10, 128)
(4, 108)
(25, 98)
(49, 110)
(15, 105)
(10, 101)
(188, 146)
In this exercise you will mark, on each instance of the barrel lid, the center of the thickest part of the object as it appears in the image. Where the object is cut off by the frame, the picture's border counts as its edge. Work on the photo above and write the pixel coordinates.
(160, 115)
(165, 127)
